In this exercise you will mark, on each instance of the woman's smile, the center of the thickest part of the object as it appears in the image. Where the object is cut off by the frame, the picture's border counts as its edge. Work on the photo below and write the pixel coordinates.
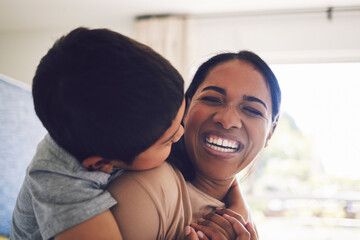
(216, 143)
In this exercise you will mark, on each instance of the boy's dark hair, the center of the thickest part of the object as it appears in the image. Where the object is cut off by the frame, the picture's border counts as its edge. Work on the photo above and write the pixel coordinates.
(99, 93)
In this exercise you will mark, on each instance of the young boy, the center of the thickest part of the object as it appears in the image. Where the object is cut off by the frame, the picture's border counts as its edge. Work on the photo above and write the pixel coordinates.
(108, 103)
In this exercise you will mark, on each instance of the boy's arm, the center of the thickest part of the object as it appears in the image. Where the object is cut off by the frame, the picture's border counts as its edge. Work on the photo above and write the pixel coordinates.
(102, 226)
(234, 200)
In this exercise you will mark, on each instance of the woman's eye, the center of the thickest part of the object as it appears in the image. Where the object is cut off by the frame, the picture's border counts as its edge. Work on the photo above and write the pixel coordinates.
(253, 111)
(213, 100)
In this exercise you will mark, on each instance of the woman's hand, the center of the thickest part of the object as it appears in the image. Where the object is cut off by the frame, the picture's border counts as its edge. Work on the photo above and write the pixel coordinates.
(224, 224)
(190, 234)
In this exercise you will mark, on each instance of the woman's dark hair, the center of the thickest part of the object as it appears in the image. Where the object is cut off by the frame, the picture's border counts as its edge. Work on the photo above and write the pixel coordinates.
(178, 155)
(100, 93)
(245, 56)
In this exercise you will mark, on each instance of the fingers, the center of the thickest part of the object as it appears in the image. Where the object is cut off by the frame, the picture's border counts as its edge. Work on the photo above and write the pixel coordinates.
(190, 234)
(231, 213)
(209, 233)
(202, 236)
(240, 230)
(216, 221)
(222, 227)
(226, 224)
(252, 230)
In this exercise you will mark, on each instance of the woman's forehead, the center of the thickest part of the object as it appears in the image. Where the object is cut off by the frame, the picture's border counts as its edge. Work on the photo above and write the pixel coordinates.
(235, 74)
(237, 79)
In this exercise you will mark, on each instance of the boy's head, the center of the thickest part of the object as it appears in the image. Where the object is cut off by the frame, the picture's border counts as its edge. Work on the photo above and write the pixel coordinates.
(99, 93)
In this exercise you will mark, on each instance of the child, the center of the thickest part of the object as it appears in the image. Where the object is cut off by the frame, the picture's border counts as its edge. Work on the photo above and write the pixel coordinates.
(108, 103)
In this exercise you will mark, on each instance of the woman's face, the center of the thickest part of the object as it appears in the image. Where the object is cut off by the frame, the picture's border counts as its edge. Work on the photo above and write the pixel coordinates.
(228, 121)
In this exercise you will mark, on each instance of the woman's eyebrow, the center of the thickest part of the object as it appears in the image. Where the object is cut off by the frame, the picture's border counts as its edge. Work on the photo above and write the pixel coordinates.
(223, 92)
(216, 89)
(254, 99)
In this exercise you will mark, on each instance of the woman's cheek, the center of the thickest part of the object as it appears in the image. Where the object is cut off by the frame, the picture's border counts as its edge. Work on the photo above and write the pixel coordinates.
(261, 132)
(196, 116)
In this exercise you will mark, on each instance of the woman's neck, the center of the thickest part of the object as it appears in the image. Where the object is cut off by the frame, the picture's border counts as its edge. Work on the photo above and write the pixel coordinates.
(214, 188)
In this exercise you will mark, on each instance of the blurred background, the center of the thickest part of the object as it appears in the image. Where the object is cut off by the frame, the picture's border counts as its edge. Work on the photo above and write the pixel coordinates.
(306, 185)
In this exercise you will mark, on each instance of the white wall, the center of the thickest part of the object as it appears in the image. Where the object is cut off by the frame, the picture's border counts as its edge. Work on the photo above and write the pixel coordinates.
(283, 38)
(21, 51)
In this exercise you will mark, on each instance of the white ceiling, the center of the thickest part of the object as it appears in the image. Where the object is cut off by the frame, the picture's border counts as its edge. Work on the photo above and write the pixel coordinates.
(22, 15)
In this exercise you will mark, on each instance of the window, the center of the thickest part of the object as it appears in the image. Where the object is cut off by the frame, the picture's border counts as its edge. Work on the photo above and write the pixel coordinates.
(309, 177)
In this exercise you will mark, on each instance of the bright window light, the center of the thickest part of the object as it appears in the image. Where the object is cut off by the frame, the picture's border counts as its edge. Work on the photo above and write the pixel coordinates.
(306, 184)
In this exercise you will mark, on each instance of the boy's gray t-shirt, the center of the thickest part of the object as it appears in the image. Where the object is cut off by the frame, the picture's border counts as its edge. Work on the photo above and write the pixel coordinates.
(57, 194)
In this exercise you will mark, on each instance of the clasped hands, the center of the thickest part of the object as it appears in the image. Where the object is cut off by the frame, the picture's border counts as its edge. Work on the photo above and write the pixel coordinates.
(221, 224)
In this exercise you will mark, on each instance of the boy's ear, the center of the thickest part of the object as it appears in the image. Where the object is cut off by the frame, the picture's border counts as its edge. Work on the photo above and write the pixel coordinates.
(96, 163)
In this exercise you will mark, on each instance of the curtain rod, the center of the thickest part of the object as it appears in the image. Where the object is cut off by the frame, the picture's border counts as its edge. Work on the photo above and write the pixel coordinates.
(327, 10)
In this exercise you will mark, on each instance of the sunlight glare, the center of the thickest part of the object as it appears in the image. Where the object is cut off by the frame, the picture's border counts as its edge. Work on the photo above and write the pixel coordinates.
(324, 100)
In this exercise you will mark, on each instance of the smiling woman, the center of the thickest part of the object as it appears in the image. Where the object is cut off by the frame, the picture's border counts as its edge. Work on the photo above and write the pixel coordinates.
(232, 110)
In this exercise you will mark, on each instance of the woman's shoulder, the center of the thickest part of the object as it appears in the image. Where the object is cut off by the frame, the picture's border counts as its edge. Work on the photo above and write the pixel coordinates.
(158, 194)
(164, 178)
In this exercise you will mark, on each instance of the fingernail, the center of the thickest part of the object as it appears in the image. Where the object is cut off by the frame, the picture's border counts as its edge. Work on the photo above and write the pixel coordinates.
(250, 224)
(200, 220)
(219, 210)
(200, 234)
(205, 214)
(187, 230)
(253, 225)
(226, 216)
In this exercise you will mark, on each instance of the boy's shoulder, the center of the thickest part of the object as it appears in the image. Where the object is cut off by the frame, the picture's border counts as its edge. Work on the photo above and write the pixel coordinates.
(51, 159)
(57, 189)
(50, 156)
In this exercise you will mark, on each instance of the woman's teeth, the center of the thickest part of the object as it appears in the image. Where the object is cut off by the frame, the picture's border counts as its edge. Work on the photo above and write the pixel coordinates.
(221, 145)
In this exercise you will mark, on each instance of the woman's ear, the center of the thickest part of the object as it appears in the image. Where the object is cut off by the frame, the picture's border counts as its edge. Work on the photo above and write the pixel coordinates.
(273, 126)
(96, 163)
(268, 138)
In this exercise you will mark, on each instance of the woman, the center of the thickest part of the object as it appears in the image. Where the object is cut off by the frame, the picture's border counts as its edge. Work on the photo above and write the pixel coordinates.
(232, 110)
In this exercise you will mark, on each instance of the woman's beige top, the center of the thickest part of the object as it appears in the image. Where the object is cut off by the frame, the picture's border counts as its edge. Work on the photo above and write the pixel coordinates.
(201, 202)
(156, 204)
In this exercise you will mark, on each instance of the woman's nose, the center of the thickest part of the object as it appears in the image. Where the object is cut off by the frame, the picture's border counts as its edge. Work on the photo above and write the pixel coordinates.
(228, 117)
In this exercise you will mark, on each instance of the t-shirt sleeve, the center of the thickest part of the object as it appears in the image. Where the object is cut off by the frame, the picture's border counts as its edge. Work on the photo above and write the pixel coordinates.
(152, 204)
(62, 201)
(136, 213)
